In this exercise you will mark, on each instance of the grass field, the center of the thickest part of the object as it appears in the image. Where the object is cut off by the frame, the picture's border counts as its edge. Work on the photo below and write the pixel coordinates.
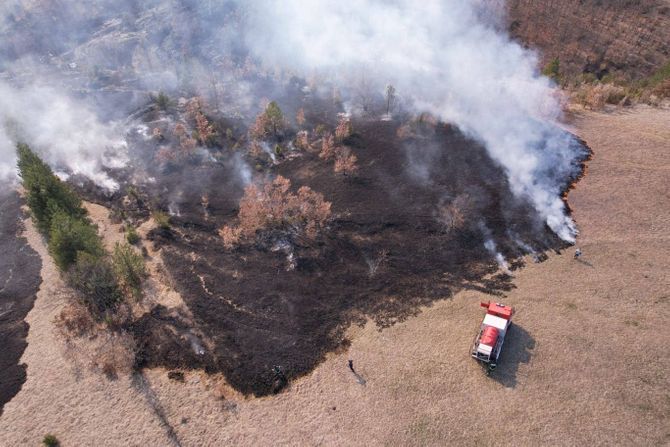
(585, 363)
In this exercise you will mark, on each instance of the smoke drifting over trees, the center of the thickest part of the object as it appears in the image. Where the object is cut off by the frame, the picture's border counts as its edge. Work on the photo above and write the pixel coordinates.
(443, 57)
(99, 60)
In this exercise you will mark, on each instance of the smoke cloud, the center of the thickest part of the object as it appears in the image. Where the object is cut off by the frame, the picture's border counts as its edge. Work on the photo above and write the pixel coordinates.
(66, 133)
(446, 57)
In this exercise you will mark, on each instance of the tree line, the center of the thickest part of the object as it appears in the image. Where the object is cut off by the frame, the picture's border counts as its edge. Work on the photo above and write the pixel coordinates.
(101, 280)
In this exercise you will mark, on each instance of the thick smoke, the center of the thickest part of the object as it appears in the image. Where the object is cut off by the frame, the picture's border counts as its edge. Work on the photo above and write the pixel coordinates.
(64, 131)
(449, 59)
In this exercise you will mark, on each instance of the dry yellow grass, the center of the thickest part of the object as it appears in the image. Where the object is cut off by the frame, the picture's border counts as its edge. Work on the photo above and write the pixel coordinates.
(584, 365)
(65, 397)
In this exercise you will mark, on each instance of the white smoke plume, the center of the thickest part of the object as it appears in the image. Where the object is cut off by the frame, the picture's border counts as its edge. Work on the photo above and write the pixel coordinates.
(66, 133)
(449, 59)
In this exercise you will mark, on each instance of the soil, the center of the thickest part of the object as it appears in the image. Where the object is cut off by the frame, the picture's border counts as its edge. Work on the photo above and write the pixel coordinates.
(256, 313)
(62, 395)
(19, 281)
(575, 370)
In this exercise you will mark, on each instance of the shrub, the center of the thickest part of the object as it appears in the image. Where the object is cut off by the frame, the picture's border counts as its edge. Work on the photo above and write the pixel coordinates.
(231, 236)
(597, 96)
(552, 69)
(50, 441)
(45, 193)
(74, 321)
(275, 207)
(662, 90)
(93, 278)
(454, 215)
(344, 129)
(661, 75)
(129, 269)
(390, 98)
(162, 220)
(302, 140)
(206, 132)
(327, 147)
(69, 237)
(115, 355)
(162, 101)
(131, 235)
(300, 117)
(269, 124)
(345, 161)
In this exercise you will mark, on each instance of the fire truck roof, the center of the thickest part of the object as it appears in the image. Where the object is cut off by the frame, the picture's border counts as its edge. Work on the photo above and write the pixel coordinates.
(496, 322)
(499, 310)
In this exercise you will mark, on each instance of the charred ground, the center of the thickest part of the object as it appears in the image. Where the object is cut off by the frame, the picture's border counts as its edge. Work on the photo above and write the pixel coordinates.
(386, 252)
(19, 281)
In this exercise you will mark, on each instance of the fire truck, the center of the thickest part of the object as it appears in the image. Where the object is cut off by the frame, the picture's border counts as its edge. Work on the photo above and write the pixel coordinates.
(489, 341)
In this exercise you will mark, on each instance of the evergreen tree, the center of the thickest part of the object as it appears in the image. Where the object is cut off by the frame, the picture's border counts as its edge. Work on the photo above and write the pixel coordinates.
(94, 279)
(69, 236)
(46, 194)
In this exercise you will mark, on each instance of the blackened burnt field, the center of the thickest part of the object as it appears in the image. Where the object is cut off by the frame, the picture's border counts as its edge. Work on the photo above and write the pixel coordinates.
(389, 249)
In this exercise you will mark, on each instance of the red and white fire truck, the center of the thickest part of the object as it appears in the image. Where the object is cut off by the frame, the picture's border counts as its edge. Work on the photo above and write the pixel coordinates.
(489, 341)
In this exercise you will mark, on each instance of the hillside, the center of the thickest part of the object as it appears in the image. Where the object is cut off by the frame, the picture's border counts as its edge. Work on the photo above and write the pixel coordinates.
(593, 36)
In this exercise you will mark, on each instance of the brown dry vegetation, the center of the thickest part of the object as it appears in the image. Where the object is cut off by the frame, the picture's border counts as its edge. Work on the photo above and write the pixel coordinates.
(274, 207)
(576, 369)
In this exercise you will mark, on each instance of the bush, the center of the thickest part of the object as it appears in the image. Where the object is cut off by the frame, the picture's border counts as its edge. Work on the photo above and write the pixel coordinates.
(94, 280)
(275, 207)
(661, 75)
(131, 235)
(45, 193)
(69, 236)
(50, 441)
(327, 147)
(455, 215)
(552, 69)
(300, 117)
(162, 101)
(344, 129)
(115, 354)
(162, 220)
(74, 321)
(662, 90)
(269, 124)
(595, 97)
(129, 269)
(345, 161)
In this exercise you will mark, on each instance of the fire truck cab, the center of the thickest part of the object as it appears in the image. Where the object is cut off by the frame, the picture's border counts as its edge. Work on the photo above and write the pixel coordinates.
(489, 341)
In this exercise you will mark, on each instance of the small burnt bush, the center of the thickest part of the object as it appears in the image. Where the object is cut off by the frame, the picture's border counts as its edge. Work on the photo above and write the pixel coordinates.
(74, 321)
(115, 355)
(274, 207)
